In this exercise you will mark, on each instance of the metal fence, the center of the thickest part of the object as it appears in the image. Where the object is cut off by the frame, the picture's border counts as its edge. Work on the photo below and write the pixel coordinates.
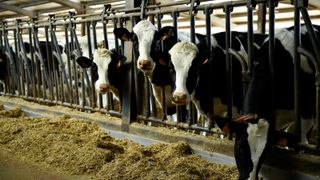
(43, 76)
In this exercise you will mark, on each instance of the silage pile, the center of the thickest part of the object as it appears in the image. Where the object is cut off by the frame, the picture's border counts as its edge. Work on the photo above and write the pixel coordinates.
(81, 148)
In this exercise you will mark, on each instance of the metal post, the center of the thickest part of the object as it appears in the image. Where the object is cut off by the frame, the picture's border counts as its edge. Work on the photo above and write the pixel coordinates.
(228, 10)
(271, 5)
(297, 42)
(129, 109)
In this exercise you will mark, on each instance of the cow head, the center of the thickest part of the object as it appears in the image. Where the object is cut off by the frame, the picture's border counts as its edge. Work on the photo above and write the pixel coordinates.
(106, 64)
(146, 40)
(185, 61)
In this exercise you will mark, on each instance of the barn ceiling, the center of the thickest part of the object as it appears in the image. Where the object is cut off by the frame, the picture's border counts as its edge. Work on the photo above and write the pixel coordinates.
(21, 9)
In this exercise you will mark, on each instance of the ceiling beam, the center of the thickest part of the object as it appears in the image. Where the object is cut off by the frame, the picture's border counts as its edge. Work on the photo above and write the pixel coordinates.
(74, 5)
(314, 3)
(17, 9)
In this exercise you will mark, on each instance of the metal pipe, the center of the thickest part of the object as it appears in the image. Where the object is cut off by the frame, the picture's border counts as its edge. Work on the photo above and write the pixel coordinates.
(228, 42)
(271, 60)
(316, 65)
(296, 60)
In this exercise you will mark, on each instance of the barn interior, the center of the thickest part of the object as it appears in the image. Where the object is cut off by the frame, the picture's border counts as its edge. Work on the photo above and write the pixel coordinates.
(91, 21)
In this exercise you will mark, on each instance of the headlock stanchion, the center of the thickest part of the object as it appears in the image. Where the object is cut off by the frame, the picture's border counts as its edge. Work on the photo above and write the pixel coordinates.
(301, 7)
(46, 77)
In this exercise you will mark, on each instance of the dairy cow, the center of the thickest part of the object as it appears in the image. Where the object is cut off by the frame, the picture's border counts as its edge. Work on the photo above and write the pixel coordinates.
(200, 75)
(152, 59)
(108, 69)
(259, 99)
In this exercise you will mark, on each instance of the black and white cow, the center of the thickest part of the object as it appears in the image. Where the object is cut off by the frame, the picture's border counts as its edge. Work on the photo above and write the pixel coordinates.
(259, 99)
(200, 75)
(153, 60)
(108, 69)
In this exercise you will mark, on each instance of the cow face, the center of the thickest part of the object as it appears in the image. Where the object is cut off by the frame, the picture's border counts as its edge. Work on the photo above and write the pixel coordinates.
(146, 40)
(183, 57)
(106, 65)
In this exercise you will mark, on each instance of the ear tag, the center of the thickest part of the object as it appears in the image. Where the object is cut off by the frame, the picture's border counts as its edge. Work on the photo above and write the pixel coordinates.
(164, 37)
(206, 61)
(162, 62)
(118, 64)
(125, 37)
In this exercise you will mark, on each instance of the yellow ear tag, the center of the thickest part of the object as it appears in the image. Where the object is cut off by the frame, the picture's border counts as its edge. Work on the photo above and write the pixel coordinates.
(118, 64)
(125, 37)
(164, 37)
(206, 61)
(162, 62)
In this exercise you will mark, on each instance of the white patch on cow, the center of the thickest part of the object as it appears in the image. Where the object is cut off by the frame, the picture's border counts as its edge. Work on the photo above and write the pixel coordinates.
(145, 32)
(182, 55)
(102, 57)
(257, 139)
(286, 38)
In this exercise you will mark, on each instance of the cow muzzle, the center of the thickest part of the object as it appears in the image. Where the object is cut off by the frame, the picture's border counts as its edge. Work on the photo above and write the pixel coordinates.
(145, 65)
(103, 88)
(180, 98)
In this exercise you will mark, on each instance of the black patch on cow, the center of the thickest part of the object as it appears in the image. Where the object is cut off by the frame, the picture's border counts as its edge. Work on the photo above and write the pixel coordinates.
(84, 62)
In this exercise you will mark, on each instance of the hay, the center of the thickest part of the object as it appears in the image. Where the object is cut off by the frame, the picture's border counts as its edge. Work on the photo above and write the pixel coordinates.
(80, 147)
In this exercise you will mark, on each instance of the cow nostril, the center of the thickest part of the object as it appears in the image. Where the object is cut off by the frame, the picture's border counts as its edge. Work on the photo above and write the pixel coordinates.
(104, 87)
(180, 96)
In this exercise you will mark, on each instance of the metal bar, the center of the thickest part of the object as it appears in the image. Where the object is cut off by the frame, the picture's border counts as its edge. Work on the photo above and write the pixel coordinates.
(50, 73)
(208, 13)
(271, 59)
(128, 111)
(228, 42)
(313, 37)
(296, 59)
(316, 64)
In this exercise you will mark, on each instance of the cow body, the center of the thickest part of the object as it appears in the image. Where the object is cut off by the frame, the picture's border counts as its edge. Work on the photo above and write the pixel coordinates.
(207, 76)
(200, 76)
(259, 98)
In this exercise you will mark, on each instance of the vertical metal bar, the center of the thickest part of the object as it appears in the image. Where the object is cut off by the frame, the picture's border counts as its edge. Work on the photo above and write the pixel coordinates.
(271, 5)
(228, 42)
(105, 33)
(94, 24)
(34, 64)
(68, 52)
(296, 59)
(208, 13)
(313, 37)
(159, 17)
(50, 77)
(250, 34)
(128, 101)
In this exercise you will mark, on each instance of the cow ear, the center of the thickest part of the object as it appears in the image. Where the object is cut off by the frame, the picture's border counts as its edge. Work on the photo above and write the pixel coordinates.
(123, 34)
(166, 33)
(84, 62)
